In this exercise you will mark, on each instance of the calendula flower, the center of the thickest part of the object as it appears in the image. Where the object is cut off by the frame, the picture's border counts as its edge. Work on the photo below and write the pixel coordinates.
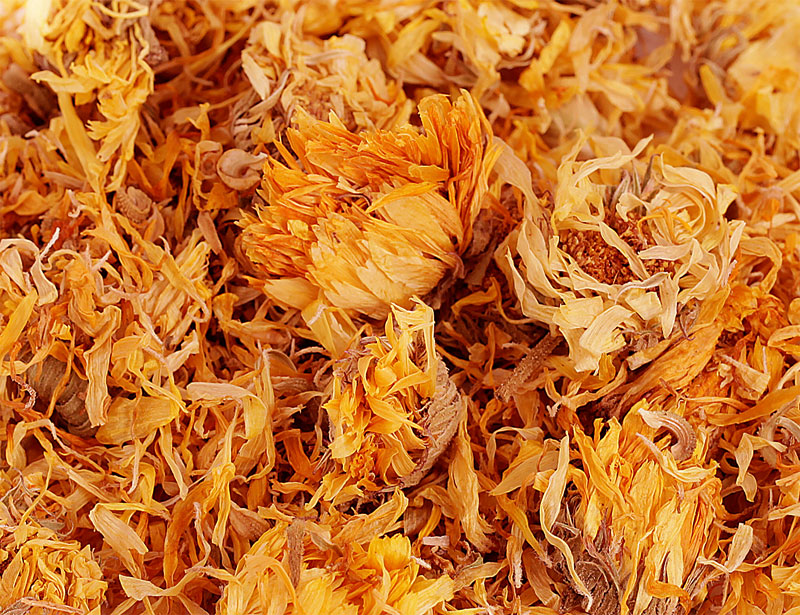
(750, 69)
(371, 219)
(42, 573)
(290, 73)
(628, 531)
(295, 570)
(240, 239)
(94, 55)
(393, 409)
(551, 70)
(619, 253)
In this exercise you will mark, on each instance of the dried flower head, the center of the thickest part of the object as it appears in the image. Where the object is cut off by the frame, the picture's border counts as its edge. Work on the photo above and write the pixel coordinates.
(371, 219)
(290, 73)
(240, 239)
(393, 409)
(371, 576)
(42, 573)
(620, 253)
(97, 56)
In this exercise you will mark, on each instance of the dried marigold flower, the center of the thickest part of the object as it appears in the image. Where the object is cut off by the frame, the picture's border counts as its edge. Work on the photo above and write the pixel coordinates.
(42, 573)
(258, 417)
(374, 218)
(393, 410)
(617, 254)
(94, 56)
(290, 74)
(380, 575)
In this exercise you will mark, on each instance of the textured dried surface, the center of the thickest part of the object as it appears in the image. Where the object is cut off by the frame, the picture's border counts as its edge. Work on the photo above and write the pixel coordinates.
(364, 307)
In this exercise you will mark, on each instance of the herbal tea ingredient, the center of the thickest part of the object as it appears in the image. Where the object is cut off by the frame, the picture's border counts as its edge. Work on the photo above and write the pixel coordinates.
(399, 307)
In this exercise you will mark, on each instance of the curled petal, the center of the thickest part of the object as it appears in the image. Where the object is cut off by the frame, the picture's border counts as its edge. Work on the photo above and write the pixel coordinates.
(677, 426)
(239, 170)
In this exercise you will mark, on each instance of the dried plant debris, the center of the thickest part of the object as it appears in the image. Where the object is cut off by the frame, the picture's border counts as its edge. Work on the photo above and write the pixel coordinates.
(67, 399)
(411, 308)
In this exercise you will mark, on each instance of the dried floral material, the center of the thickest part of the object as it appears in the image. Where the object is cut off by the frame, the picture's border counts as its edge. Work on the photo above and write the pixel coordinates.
(464, 490)
(106, 70)
(362, 528)
(595, 518)
(375, 217)
(134, 205)
(619, 255)
(291, 74)
(375, 578)
(443, 414)
(393, 409)
(41, 573)
(417, 307)
(239, 170)
(763, 97)
(67, 399)
(294, 546)
(39, 99)
(678, 426)
(532, 360)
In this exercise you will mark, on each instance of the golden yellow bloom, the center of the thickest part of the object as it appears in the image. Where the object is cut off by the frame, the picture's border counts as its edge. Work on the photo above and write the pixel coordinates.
(619, 252)
(378, 576)
(373, 218)
(393, 409)
(42, 573)
(240, 239)
(291, 74)
(632, 529)
(95, 56)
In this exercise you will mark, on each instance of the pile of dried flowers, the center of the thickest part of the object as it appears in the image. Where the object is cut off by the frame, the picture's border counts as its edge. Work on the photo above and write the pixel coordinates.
(406, 307)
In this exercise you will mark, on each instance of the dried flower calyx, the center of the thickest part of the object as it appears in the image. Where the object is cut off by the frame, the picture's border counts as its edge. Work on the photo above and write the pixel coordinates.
(47, 379)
